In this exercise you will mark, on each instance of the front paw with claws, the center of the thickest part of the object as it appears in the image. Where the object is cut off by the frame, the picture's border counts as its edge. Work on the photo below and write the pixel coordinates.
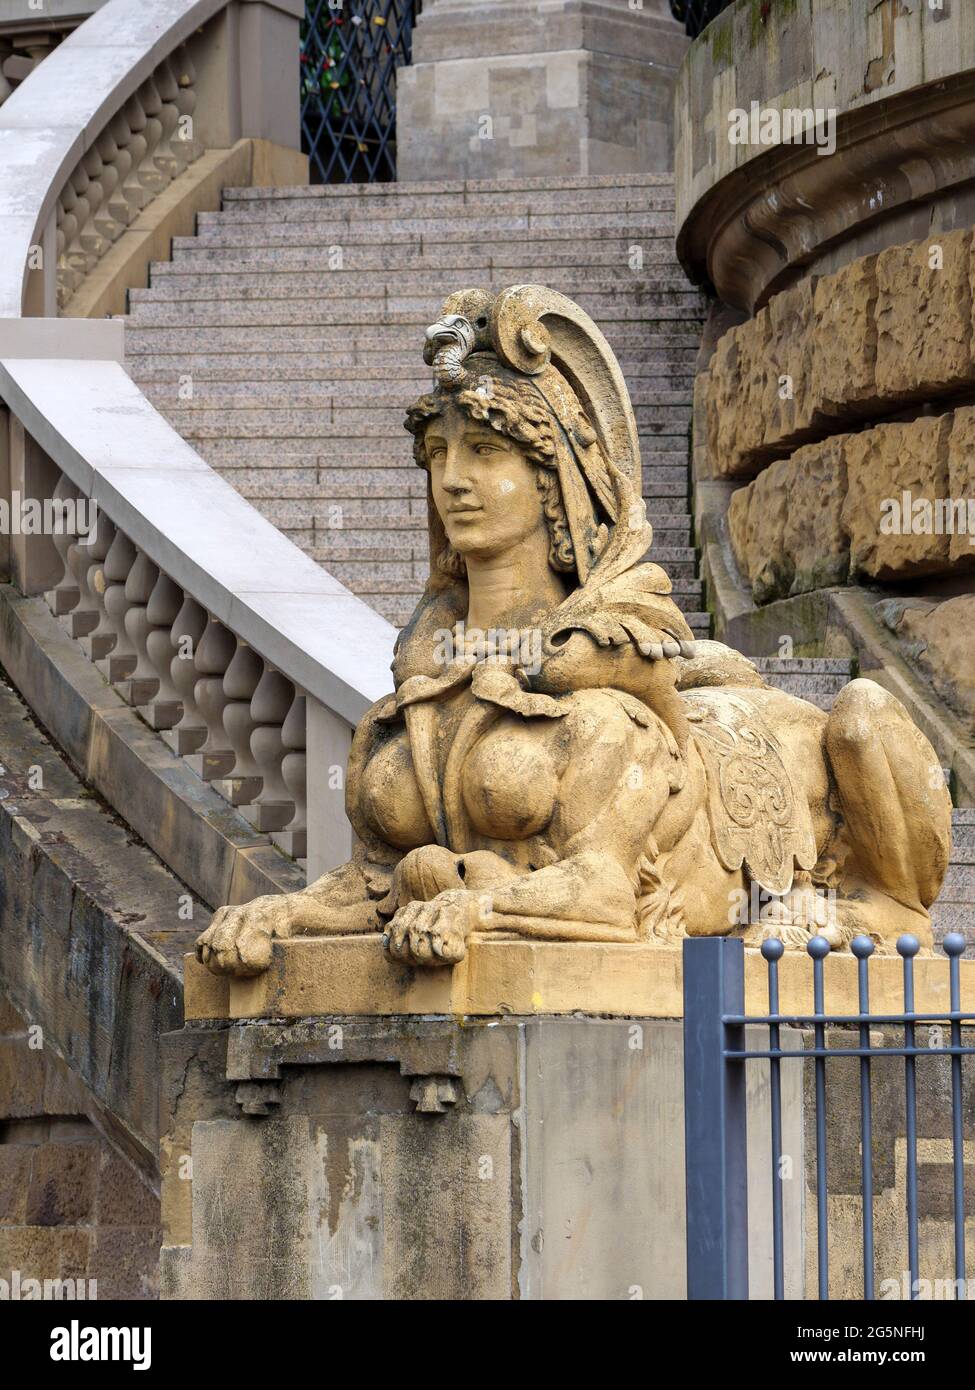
(433, 933)
(238, 939)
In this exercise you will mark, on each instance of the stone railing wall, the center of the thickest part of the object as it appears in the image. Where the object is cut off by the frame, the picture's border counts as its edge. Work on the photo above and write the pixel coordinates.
(29, 35)
(246, 656)
(138, 154)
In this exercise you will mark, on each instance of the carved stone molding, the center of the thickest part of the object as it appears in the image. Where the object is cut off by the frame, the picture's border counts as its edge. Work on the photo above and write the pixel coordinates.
(792, 210)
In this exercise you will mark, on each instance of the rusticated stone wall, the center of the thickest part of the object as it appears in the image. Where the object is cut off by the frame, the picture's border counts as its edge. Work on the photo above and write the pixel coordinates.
(844, 411)
(74, 1215)
(888, 332)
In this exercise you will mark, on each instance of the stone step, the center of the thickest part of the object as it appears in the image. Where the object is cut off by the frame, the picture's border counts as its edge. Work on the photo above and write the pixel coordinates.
(446, 240)
(458, 200)
(358, 421)
(959, 884)
(963, 844)
(325, 394)
(950, 916)
(517, 259)
(410, 208)
(357, 452)
(158, 309)
(402, 367)
(806, 684)
(663, 286)
(327, 220)
(813, 665)
(373, 345)
(433, 187)
(963, 815)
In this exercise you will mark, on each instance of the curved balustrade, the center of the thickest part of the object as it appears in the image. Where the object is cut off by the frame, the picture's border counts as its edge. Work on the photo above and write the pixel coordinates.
(245, 656)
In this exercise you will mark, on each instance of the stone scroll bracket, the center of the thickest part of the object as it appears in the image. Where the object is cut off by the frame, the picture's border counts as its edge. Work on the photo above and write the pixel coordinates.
(423, 1049)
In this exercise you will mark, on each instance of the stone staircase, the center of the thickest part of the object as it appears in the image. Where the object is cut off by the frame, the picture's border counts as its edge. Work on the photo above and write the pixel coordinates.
(817, 679)
(284, 341)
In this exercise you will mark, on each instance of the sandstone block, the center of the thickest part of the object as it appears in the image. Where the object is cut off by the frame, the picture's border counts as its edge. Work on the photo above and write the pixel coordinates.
(738, 509)
(961, 488)
(758, 532)
(815, 542)
(14, 1180)
(700, 425)
(740, 370)
(945, 650)
(62, 1184)
(844, 338)
(787, 396)
(923, 316)
(895, 474)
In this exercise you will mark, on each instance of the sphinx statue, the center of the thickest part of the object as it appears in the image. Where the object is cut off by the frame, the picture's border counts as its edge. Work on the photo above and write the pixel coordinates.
(560, 759)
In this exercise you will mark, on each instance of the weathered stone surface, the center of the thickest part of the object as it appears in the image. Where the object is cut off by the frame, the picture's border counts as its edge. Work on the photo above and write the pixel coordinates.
(961, 488)
(62, 1184)
(814, 541)
(941, 642)
(521, 1187)
(758, 532)
(785, 527)
(923, 316)
(505, 89)
(844, 345)
(740, 371)
(884, 466)
(787, 398)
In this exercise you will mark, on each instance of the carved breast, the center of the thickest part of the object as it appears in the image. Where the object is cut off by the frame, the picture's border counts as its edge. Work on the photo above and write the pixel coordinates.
(510, 785)
(390, 796)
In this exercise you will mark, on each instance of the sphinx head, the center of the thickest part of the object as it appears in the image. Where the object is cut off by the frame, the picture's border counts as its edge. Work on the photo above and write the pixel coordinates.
(490, 452)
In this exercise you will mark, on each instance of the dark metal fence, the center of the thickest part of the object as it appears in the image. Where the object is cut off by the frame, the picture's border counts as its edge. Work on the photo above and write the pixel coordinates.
(350, 50)
(715, 1058)
(696, 15)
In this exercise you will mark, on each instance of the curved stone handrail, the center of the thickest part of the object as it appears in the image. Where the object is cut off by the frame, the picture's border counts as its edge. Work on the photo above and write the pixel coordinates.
(64, 383)
(55, 115)
(95, 423)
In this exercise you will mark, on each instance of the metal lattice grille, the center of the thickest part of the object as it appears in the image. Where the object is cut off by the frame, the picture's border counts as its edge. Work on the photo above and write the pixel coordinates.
(349, 55)
(696, 15)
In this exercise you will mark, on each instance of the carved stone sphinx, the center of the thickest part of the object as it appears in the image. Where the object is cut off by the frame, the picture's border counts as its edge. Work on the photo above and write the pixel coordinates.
(560, 759)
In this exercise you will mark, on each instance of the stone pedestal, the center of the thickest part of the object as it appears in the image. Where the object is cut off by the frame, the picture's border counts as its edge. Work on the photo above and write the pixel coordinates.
(340, 1127)
(425, 1158)
(509, 89)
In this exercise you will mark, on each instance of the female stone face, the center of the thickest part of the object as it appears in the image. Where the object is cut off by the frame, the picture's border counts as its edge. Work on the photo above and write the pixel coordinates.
(484, 487)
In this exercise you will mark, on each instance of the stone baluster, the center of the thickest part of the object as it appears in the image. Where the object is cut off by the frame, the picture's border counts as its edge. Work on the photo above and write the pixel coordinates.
(136, 195)
(76, 262)
(293, 839)
(93, 243)
(121, 659)
(106, 225)
(165, 708)
(186, 140)
(147, 174)
(165, 158)
(97, 643)
(215, 757)
(119, 207)
(274, 808)
(83, 618)
(64, 596)
(142, 681)
(239, 684)
(188, 628)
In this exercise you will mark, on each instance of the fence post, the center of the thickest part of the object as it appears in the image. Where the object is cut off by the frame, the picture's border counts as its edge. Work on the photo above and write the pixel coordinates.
(715, 1158)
